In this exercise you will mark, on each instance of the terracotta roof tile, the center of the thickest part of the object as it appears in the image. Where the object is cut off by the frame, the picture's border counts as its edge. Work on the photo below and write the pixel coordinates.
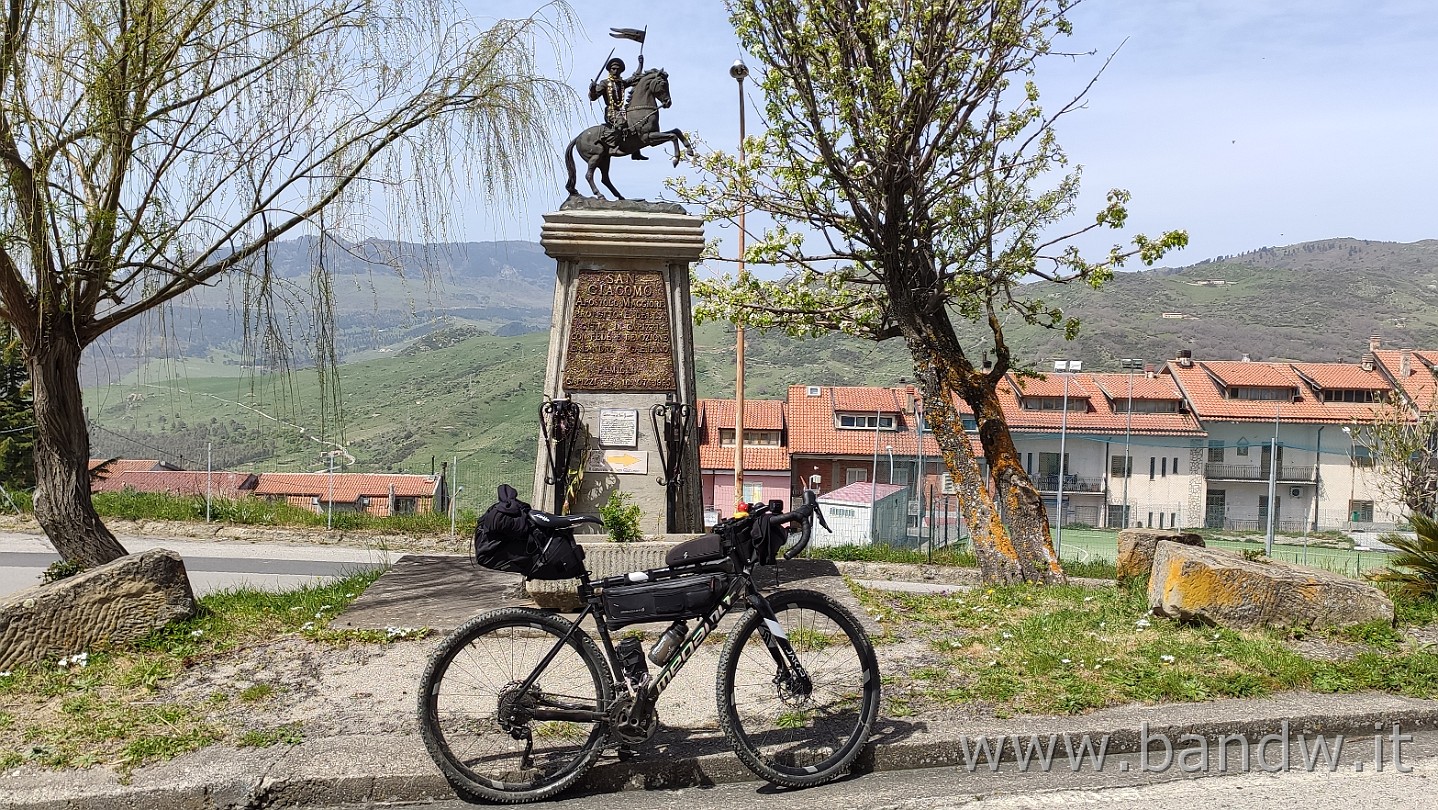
(1101, 415)
(866, 400)
(1051, 385)
(222, 484)
(1209, 403)
(759, 414)
(812, 428)
(1232, 373)
(1116, 387)
(1342, 376)
(116, 466)
(767, 414)
(1421, 382)
(347, 487)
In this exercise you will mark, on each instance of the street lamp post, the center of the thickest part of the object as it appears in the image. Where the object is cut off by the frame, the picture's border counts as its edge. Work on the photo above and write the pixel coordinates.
(1272, 479)
(739, 71)
(1064, 367)
(1129, 365)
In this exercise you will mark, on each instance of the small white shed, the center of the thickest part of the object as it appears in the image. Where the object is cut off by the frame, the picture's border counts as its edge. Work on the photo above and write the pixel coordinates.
(862, 511)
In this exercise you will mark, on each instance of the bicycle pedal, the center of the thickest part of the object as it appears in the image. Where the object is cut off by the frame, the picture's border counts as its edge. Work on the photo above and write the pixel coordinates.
(627, 753)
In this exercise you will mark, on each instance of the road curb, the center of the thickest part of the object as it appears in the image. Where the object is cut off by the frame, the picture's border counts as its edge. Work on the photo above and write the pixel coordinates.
(394, 768)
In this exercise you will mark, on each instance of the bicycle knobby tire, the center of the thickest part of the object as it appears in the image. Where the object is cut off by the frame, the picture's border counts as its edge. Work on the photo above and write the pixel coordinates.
(477, 671)
(799, 735)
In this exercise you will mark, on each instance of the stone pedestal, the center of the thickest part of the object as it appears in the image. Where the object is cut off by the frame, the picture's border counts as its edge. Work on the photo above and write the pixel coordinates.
(621, 341)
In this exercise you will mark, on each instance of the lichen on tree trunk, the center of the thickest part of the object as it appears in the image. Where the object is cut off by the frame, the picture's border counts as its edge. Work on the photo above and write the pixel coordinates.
(62, 454)
(1022, 550)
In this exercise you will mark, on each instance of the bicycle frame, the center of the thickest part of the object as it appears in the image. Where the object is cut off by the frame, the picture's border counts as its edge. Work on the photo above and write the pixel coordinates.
(647, 693)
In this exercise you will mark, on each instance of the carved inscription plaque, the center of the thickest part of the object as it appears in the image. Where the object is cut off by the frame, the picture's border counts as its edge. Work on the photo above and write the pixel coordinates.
(619, 333)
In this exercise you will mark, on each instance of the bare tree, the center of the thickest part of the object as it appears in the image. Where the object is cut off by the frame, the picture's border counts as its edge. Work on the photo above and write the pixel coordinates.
(150, 147)
(902, 167)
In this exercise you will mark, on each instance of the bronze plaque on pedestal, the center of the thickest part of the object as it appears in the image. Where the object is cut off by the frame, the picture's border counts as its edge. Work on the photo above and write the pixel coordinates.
(619, 336)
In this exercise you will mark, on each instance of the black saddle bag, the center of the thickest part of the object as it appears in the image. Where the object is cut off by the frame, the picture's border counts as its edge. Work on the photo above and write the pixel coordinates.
(507, 540)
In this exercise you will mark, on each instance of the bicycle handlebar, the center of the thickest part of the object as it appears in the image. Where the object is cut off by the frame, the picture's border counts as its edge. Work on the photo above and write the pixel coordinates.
(804, 513)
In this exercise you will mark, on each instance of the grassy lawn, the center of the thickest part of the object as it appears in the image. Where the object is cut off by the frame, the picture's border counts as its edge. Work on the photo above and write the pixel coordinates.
(1065, 650)
(1097, 568)
(103, 708)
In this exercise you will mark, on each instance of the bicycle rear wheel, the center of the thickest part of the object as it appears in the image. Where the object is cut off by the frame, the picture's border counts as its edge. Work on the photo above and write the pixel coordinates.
(788, 731)
(481, 728)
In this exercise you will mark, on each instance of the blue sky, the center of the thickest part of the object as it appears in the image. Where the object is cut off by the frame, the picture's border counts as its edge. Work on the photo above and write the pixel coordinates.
(1247, 122)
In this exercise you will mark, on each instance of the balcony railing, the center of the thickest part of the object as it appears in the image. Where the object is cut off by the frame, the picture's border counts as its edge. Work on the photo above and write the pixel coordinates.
(1255, 472)
(1072, 483)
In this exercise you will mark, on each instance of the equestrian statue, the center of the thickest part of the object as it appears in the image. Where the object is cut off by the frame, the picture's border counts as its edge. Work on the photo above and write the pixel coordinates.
(631, 118)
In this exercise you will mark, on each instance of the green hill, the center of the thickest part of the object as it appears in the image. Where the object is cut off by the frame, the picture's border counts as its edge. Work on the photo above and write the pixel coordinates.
(432, 391)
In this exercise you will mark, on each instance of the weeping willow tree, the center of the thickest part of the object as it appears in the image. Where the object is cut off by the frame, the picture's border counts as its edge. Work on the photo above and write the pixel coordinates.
(152, 146)
(914, 179)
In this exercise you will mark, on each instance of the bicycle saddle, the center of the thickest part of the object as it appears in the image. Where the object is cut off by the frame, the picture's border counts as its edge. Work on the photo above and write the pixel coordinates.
(544, 520)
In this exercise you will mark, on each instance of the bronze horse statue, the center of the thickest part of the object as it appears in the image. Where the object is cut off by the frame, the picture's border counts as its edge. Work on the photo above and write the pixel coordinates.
(650, 93)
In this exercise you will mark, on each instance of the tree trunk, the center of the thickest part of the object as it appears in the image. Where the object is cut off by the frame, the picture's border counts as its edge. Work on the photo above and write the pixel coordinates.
(998, 560)
(1022, 552)
(1027, 517)
(62, 454)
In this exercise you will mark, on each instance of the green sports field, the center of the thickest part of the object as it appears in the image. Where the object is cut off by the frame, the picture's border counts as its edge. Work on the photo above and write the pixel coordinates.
(1094, 544)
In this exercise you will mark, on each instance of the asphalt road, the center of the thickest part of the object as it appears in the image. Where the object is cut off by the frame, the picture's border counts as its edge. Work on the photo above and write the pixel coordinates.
(212, 566)
(1123, 784)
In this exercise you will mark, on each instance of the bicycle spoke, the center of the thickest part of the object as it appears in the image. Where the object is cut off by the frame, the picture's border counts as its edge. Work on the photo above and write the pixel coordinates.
(795, 730)
(483, 722)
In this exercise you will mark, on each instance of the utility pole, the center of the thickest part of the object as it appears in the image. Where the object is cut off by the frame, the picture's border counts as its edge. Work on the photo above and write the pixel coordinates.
(739, 71)
(1129, 365)
(1272, 480)
(1064, 367)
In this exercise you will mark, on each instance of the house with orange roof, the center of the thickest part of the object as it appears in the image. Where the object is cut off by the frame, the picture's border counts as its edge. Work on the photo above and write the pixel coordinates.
(766, 454)
(1126, 445)
(1292, 423)
(185, 483)
(103, 468)
(378, 494)
(842, 435)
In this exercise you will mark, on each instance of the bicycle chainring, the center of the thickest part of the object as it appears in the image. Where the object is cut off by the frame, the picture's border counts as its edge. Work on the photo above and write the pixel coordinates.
(627, 729)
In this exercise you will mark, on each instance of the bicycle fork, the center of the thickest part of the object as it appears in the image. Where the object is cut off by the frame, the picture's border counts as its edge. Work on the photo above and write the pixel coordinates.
(791, 675)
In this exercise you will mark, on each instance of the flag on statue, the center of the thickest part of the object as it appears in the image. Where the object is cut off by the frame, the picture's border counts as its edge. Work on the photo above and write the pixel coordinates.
(628, 33)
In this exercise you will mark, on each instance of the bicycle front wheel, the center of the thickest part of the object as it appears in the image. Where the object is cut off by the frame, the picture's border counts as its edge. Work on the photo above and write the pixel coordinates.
(799, 731)
(492, 738)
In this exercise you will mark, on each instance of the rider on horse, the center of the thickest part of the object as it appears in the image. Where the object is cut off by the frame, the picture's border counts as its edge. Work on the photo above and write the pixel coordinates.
(612, 89)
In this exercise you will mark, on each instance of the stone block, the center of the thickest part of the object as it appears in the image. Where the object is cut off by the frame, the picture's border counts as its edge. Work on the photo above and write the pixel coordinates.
(119, 602)
(603, 559)
(1221, 588)
(1136, 547)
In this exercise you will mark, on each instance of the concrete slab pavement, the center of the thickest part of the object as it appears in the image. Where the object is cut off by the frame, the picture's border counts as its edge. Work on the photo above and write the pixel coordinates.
(363, 769)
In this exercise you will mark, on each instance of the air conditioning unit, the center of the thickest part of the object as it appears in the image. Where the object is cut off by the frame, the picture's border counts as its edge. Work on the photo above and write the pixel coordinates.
(1295, 492)
(814, 391)
(948, 487)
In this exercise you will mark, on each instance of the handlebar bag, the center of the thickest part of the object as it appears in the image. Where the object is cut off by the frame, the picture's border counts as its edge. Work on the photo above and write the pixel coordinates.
(664, 601)
(505, 539)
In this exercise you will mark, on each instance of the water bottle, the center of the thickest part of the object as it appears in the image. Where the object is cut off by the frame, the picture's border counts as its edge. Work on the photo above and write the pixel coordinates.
(664, 648)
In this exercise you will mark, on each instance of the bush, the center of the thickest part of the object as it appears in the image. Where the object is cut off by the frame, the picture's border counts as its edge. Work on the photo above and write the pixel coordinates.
(60, 569)
(1414, 570)
(621, 517)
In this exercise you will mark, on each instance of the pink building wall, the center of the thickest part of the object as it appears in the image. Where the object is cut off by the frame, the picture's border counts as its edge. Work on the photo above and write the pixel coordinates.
(719, 489)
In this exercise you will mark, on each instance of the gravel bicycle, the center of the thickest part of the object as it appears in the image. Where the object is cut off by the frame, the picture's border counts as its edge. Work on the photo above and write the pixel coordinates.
(517, 704)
